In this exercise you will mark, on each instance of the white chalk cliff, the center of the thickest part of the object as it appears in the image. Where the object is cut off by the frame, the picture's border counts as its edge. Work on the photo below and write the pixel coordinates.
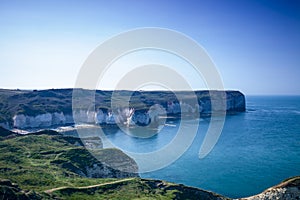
(216, 101)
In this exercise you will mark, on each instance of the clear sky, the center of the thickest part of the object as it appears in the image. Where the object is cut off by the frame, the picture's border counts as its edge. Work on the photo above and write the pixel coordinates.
(255, 44)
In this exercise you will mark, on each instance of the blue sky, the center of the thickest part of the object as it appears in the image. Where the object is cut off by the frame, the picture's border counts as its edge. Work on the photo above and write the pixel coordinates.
(255, 44)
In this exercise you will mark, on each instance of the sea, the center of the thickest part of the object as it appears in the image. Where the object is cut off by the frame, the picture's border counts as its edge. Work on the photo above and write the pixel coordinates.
(257, 149)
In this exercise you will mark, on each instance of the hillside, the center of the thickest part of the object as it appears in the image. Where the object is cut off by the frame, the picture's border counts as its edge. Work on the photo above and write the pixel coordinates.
(137, 188)
(48, 165)
(125, 189)
(47, 159)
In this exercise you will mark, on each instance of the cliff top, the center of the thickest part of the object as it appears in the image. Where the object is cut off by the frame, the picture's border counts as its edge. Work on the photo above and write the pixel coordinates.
(34, 102)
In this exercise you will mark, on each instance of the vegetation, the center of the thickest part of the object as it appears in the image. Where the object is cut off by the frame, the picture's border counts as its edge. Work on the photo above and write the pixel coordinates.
(36, 102)
(48, 165)
(45, 160)
(130, 189)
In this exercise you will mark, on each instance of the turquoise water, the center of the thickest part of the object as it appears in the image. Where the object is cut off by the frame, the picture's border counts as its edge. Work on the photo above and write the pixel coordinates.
(257, 149)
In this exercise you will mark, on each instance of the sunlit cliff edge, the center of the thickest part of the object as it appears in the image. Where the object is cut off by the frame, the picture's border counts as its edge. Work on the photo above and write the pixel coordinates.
(54, 107)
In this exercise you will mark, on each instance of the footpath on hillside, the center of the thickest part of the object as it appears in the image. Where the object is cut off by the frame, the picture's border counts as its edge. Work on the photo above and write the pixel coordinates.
(90, 186)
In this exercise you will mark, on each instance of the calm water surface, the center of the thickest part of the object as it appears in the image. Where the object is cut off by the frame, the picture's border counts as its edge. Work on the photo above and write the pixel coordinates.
(257, 149)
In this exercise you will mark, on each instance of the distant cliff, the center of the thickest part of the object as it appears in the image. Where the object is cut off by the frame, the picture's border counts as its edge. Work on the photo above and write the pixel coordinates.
(44, 108)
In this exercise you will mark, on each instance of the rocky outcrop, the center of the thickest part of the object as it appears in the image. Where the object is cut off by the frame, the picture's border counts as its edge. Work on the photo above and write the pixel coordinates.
(9, 190)
(112, 163)
(183, 191)
(104, 171)
(287, 190)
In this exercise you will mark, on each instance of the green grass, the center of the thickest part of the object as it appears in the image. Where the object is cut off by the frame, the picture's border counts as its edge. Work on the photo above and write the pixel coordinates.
(47, 164)
(136, 188)
(132, 189)
(30, 160)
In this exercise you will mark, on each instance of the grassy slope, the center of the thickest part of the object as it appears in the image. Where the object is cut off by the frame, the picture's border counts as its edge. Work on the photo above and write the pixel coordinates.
(30, 161)
(136, 188)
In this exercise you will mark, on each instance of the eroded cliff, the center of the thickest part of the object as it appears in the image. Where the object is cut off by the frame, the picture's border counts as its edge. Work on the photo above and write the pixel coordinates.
(45, 108)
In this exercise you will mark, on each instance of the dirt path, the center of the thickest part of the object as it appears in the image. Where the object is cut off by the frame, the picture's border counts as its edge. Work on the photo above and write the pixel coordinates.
(90, 186)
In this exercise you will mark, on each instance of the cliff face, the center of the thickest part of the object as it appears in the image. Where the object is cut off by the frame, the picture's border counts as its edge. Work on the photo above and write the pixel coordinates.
(81, 162)
(288, 190)
(41, 120)
(37, 109)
